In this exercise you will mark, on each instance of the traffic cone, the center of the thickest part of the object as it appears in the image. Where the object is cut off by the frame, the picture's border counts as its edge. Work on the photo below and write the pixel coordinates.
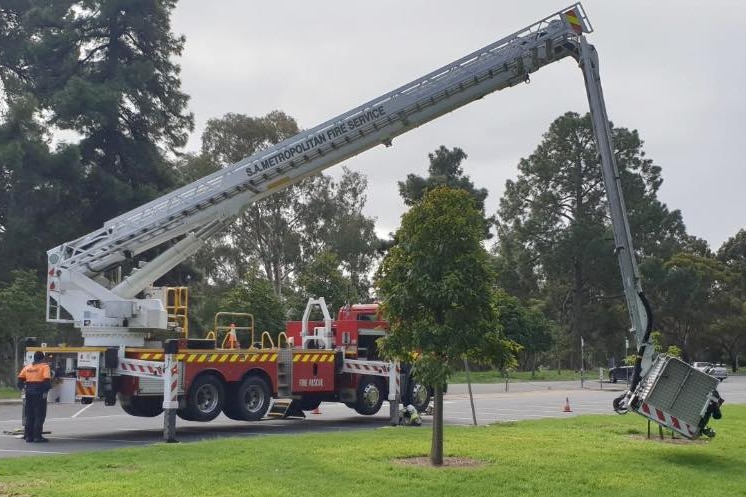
(567, 405)
(316, 411)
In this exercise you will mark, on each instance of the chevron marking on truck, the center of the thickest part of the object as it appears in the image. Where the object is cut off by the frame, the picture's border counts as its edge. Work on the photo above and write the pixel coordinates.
(358, 367)
(133, 367)
(313, 358)
(82, 391)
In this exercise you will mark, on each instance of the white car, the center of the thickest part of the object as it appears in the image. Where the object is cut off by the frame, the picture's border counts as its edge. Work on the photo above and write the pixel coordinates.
(702, 366)
(718, 371)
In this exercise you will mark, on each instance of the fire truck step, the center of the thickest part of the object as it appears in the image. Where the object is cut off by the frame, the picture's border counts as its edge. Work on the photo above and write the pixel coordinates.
(285, 408)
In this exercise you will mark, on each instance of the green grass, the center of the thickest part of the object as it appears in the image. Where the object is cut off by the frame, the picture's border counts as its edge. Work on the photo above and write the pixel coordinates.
(9, 393)
(498, 377)
(582, 456)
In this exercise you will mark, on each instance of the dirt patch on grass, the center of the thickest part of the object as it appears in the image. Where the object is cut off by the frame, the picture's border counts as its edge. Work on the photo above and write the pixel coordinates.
(448, 462)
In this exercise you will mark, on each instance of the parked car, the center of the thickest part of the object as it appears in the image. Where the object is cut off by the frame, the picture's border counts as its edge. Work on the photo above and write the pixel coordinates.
(702, 366)
(718, 371)
(621, 373)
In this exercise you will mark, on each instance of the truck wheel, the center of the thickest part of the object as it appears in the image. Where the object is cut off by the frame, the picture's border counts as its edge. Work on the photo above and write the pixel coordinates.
(204, 400)
(369, 396)
(142, 407)
(417, 395)
(252, 399)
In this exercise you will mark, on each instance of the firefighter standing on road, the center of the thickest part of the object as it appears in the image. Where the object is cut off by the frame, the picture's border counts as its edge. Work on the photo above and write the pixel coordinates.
(36, 378)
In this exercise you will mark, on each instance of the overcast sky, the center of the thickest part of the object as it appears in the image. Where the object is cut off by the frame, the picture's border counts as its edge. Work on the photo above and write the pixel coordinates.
(673, 70)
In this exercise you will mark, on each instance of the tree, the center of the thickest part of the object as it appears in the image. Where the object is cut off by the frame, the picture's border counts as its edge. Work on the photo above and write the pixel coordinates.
(692, 297)
(254, 295)
(39, 191)
(21, 313)
(444, 170)
(527, 326)
(323, 278)
(285, 231)
(436, 288)
(733, 254)
(555, 235)
(122, 95)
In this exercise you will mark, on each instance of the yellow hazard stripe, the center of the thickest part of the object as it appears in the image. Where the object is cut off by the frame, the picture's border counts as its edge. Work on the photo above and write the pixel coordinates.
(313, 358)
(221, 358)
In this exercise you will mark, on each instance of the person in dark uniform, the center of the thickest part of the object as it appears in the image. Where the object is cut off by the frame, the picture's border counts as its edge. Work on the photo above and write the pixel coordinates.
(36, 378)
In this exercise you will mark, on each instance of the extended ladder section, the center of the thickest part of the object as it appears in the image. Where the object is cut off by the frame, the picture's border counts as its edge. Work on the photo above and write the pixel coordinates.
(206, 206)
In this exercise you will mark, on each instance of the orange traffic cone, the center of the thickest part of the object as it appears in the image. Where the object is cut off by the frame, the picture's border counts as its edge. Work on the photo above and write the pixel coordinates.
(316, 411)
(567, 405)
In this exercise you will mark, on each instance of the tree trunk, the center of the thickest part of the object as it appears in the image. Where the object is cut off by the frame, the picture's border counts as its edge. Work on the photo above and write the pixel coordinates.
(436, 451)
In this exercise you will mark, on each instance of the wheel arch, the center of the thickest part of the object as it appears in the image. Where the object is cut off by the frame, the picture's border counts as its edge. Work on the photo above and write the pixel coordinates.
(261, 373)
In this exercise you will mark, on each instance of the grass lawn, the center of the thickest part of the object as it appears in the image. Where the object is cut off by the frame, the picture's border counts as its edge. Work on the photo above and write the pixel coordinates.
(582, 456)
(9, 393)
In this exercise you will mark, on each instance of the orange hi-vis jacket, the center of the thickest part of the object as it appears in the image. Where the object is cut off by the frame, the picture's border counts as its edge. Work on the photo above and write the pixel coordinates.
(37, 377)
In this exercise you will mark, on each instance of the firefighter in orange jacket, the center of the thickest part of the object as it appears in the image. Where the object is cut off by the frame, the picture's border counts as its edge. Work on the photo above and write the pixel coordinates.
(36, 378)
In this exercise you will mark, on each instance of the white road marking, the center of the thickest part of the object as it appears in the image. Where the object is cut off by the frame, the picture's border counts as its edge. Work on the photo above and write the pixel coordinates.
(33, 451)
(81, 411)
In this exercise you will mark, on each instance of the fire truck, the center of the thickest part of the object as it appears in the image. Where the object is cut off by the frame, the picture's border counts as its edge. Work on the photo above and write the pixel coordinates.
(136, 348)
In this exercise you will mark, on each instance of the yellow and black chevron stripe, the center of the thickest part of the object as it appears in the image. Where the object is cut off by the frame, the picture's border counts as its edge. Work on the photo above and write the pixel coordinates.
(230, 357)
(313, 357)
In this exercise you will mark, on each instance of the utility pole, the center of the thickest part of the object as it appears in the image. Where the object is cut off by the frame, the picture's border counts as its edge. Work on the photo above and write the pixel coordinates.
(582, 361)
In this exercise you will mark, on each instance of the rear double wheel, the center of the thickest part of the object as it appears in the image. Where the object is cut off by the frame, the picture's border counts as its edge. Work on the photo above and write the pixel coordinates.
(204, 400)
(249, 400)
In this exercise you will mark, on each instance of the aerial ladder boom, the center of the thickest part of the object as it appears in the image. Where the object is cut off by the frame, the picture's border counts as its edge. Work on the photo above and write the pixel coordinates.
(79, 288)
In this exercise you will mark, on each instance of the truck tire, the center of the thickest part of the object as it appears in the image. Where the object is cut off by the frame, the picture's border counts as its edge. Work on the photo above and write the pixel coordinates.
(369, 396)
(251, 400)
(142, 407)
(204, 400)
(418, 395)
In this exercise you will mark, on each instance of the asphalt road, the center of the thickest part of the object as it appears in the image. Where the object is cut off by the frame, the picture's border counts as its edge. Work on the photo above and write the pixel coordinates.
(77, 428)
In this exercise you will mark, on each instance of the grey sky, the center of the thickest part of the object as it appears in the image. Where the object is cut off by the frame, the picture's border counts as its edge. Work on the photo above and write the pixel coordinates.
(674, 70)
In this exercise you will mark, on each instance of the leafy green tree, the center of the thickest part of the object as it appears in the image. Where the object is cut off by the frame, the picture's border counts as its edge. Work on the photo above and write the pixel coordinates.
(444, 170)
(436, 286)
(733, 254)
(21, 315)
(692, 293)
(122, 96)
(285, 231)
(527, 326)
(39, 191)
(554, 231)
(323, 278)
(254, 295)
